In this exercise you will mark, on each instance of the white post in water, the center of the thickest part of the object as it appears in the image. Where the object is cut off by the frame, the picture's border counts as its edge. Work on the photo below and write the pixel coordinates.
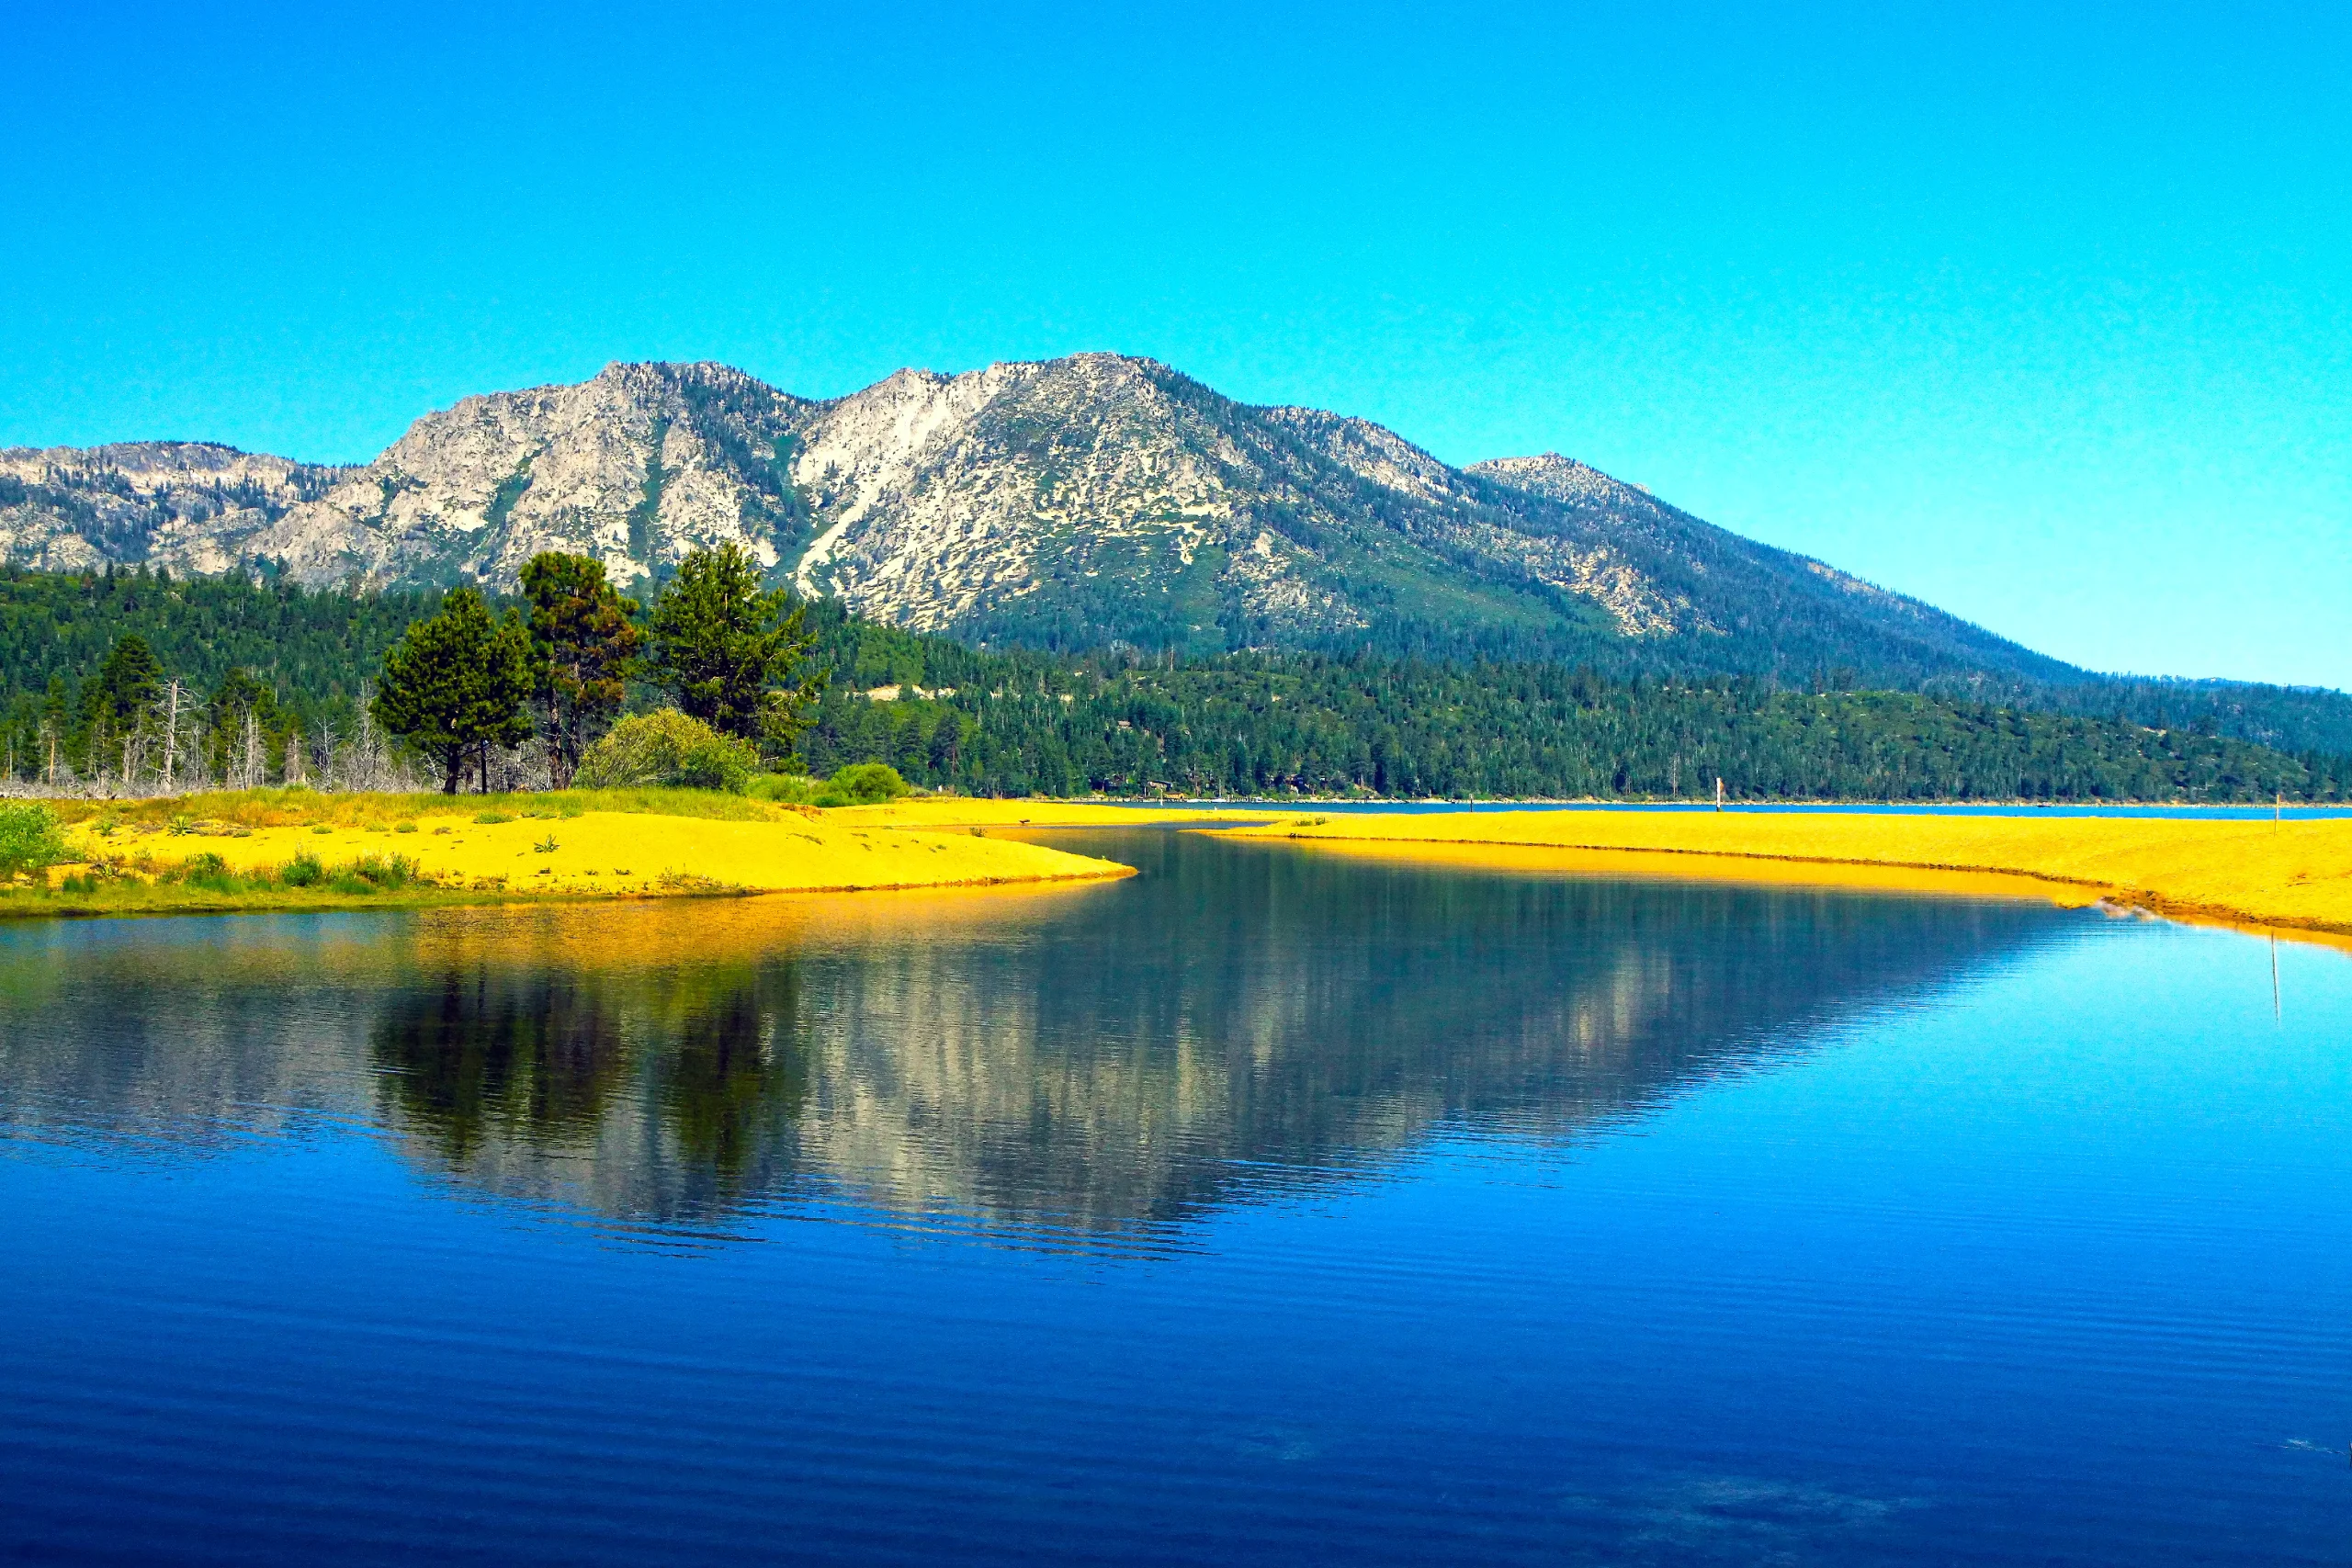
(1719, 794)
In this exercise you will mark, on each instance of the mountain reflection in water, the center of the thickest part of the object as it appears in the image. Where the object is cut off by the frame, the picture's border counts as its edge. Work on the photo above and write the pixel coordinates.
(1092, 1064)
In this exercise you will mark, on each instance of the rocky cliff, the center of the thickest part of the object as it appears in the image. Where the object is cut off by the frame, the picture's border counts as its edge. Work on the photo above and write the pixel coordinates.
(1095, 500)
(188, 505)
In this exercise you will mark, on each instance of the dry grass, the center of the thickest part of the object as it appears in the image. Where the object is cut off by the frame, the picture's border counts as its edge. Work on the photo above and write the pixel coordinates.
(951, 811)
(302, 807)
(2290, 874)
(238, 858)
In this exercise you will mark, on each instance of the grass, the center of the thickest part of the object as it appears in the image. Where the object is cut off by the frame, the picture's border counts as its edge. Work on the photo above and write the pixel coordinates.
(2295, 876)
(206, 882)
(305, 807)
(293, 848)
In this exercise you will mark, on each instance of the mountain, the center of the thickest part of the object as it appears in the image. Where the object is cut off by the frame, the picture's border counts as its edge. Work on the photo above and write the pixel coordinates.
(1094, 502)
(193, 505)
(1080, 502)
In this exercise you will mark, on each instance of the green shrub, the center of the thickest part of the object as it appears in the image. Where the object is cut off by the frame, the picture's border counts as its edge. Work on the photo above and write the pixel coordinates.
(384, 872)
(181, 826)
(862, 784)
(789, 789)
(302, 870)
(665, 747)
(29, 838)
(406, 828)
(492, 818)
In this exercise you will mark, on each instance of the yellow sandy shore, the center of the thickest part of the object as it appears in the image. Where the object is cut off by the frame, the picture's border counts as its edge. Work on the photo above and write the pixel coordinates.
(632, 853)
(2295, 874)
(949, 811)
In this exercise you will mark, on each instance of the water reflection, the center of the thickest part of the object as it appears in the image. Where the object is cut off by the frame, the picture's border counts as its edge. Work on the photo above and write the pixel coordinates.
(1093, 1062)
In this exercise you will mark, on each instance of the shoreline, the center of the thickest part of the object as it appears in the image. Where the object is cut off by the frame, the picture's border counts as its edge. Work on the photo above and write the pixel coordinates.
(2291, 876)
(380, 852)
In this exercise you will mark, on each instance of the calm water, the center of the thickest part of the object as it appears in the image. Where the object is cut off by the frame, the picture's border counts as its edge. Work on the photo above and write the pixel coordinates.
(1268, 1207)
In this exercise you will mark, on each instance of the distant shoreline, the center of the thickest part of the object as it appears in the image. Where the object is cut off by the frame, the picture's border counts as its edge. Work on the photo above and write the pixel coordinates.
(2291, 876)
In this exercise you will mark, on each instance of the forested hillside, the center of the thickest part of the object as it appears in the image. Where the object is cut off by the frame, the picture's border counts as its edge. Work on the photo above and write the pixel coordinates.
(1024, 722)
(308, 649)
(1255, 725)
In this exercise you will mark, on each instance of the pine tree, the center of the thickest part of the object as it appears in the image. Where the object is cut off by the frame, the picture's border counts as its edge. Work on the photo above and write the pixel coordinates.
(127, 685)
(583, 645)
(455, 685)
(735, 657)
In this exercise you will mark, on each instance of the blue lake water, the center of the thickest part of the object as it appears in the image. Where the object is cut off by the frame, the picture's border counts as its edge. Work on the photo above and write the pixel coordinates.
(1270, 1207)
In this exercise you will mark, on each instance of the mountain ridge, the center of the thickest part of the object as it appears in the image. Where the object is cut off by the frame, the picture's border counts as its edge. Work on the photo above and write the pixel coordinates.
(1097, 502)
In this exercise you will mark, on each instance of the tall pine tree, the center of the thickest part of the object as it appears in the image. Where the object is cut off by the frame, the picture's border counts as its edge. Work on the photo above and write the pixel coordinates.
(454, 684)
(735, 656)
(583, 645)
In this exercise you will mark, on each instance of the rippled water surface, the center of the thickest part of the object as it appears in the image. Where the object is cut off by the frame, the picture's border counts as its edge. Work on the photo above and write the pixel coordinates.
(1268, 1207)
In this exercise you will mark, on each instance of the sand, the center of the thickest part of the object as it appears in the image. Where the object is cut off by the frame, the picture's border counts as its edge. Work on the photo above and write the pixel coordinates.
(628, 853)
(2293, 875)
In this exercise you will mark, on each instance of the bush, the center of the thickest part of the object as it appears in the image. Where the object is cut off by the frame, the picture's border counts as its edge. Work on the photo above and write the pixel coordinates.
(207, 871)
(29, 838)
(862, 784)
(789, 789)
(303, 871)
(665, 747)
(381, 871)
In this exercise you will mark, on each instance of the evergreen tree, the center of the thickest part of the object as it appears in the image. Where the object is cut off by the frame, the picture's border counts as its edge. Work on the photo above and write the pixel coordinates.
(583, 645)
(454, 685)
(127, 684)
(734, 656)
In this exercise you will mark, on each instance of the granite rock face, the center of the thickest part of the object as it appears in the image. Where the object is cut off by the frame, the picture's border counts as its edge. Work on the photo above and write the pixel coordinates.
(1097, 500)
(189, 506)
(636, 468)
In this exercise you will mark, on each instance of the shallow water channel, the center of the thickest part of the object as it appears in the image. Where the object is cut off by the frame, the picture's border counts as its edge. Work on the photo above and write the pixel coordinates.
(1270, 1206)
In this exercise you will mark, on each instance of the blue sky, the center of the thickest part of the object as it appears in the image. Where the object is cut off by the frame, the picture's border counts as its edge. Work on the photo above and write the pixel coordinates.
(2041, 313)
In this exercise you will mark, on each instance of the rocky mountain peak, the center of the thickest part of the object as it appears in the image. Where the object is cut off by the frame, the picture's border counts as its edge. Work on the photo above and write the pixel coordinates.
(1561, 478)
(1094, 500)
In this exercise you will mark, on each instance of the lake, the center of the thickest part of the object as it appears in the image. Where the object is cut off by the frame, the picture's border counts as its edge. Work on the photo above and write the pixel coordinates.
(1268, 1207)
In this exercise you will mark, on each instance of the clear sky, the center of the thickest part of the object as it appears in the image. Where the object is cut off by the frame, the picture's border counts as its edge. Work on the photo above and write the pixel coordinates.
(2042, 313)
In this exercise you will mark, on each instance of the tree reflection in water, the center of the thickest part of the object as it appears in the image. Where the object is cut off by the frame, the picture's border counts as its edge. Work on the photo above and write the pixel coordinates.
(1105, 1063)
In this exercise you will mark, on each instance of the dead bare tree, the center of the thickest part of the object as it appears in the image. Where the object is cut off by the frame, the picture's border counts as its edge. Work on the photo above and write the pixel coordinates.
(255, 772)
(369, 759)
(167, 709)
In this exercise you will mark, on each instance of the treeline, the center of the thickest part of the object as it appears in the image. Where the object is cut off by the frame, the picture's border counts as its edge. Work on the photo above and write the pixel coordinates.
(1248, 726)
(309, 651)
(270, 680)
